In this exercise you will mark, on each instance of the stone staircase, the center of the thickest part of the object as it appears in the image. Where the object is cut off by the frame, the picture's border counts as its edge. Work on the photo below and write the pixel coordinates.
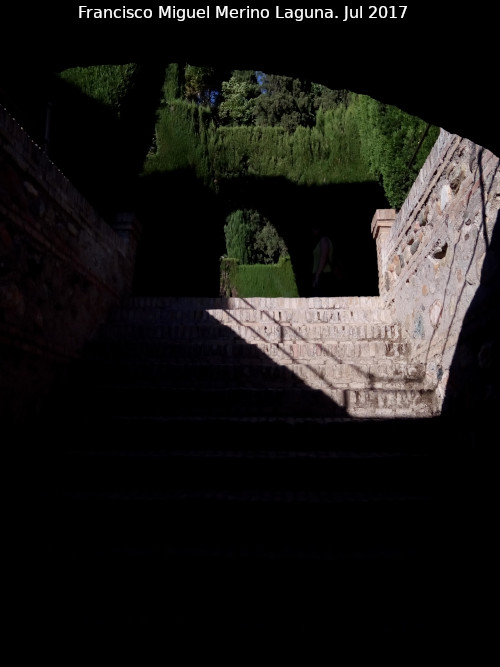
(279, 359)
(243, 473)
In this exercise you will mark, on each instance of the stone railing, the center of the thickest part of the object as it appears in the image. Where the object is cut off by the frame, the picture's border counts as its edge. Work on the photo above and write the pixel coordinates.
(61, 268)
(431, 254)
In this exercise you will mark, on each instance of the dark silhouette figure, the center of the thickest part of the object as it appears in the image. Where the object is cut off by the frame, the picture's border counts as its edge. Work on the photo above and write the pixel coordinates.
(323, 275)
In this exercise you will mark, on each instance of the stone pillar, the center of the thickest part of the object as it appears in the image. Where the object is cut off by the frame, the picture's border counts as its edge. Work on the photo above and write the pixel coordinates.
(382, 223)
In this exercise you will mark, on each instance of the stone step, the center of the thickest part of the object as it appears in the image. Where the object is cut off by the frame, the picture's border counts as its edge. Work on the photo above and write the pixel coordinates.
(288, 435)
(223, 348)
(265, 475)
(291, 310)
(290, 402)
(208, 472)
(140, 400)
(120, 365)
(242, 601)
(346, 499)
(219, 529)
(270, 332)
(252, 524)
(339, 312)
(175, 350)
(226, 392)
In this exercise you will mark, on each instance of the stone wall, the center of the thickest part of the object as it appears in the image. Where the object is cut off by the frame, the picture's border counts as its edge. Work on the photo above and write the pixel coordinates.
(438, 259)
(61, 268)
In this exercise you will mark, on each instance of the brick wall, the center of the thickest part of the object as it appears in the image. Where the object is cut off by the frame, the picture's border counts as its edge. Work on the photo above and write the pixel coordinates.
(61, 268)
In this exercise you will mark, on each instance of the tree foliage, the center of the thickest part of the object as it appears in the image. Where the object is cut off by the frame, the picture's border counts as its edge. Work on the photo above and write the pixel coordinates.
(327, 153)
(284, 102)
(238, 97)
(197, 84)
(270, 125)
(181, 139)
(324, 98)
(394, 145)
(107, 84)
(243, 123)
(252, 239)
(269, 246)
(271, 100)
(172, 84)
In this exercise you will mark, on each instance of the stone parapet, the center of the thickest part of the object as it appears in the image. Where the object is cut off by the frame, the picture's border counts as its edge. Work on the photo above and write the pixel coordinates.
(432, 260)
(382, 223)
